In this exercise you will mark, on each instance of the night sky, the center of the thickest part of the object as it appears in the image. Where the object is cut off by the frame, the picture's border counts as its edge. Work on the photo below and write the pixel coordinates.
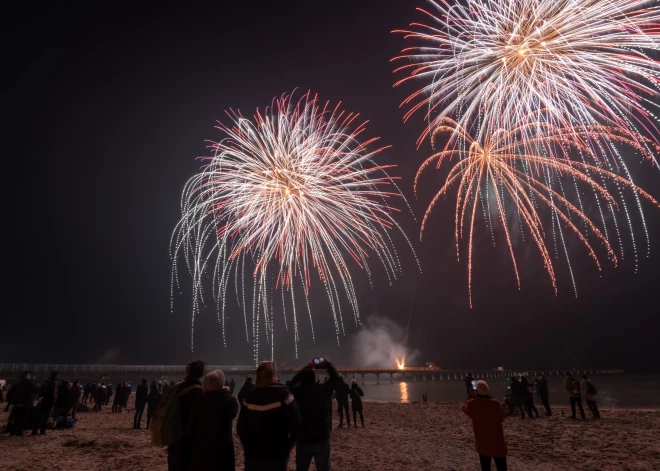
(109, 104)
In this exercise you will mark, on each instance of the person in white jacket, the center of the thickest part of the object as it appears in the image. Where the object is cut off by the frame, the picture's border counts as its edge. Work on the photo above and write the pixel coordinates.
(589, 394)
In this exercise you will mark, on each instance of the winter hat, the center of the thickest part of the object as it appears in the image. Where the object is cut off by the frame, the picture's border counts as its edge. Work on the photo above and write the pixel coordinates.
(482, 388)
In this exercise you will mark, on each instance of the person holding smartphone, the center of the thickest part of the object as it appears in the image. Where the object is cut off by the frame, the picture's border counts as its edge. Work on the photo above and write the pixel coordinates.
(315, 404)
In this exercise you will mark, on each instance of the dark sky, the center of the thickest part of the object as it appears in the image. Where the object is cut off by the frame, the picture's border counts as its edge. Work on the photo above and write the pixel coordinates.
(110, 103)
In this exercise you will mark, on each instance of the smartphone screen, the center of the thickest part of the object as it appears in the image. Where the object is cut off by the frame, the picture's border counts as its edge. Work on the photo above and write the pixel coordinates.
(474, 385)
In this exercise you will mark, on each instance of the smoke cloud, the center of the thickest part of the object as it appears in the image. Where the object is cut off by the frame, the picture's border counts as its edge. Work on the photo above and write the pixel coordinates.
(379, 342)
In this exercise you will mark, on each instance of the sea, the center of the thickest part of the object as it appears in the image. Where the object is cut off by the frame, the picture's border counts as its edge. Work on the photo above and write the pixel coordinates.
(627, 391)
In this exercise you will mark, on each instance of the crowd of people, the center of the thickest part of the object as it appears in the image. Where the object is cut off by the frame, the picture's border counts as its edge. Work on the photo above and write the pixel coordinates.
(194, 418)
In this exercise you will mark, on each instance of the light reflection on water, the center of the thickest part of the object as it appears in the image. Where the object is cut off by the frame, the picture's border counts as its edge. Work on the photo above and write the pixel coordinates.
(403, 388)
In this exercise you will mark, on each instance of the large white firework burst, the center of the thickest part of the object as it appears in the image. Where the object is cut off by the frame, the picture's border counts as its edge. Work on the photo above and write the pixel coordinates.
(569, 64)
(287, 197)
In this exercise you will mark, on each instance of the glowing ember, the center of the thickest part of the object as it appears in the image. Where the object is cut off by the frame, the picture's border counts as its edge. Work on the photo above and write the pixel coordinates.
(401, 364)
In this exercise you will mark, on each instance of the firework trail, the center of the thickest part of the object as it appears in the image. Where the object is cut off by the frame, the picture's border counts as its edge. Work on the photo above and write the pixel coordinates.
(288, 196)
(527, 174)
(584, 62)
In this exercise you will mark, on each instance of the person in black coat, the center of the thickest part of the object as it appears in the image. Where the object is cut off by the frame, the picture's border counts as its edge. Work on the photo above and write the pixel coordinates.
(72, 400)
(92, 392)
(153, 401)
(23, 395)
(356, 402)
(248, 386)
(210, 426)
(232, 386)
(47, 399)
(542, 390)
(315, 404)
(141, 395)
(108, 394)
(529, 397)
(179, 454)
(341, 394)
(116, 403)
(86, 393)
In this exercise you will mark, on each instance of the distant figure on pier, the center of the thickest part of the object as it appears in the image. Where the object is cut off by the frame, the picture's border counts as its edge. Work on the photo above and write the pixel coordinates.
(232, 386)
(187, 392)
(47, 398)
(141, 395)
(153, 401)
(109, 394)
(269, 422)
(487, 416)
(542, 390)
(245, 389)
(573, 389)
(342, 392)
(316, 414)
(469, 389)
(86, 392)
(589, 394)
(210, 426)
(356, 402)
(529, 397)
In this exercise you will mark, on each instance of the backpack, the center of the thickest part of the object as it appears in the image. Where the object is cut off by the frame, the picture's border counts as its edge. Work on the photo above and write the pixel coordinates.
(166, 425)
(591, 389)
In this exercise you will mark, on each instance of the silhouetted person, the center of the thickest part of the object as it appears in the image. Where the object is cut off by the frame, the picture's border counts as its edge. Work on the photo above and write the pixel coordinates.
(315, 404)
(127, 393)
(341, 395)
(245, 389)
(166, 388)
(141, 395)
(62, 397)
(356, 402)
(589, 393)
(73, 399)
(232, 386)
(210, 426)
(92, 392)
(101, 392)
(468, 384)
(542, 391)
(86, 393)
(573, 389)
(487, 416)
(153, 401)
(9, 398)
(116, 403)
(529, 397)
(269, 422)
(23, 396)
(47, 399)
(179, 454)
(518, 396)
(108, 395)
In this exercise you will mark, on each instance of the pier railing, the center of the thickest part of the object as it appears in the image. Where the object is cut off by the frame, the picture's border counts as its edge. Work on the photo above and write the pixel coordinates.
(178, 371)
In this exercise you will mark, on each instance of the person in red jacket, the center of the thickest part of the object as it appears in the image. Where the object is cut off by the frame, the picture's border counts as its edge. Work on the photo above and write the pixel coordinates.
(487, 416)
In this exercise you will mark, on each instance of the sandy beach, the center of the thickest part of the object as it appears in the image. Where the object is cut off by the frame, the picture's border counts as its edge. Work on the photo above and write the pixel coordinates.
(397, 436)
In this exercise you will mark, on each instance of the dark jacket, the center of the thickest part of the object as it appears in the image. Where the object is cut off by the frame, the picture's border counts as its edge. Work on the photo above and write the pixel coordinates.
(119, 394)
(342, 391)
(248, 386)
(269, 423)
(210, 431)
(153, 400)
(62, 395)
(232, 386)
(179, 454)
(73, 397)
(48, 393)
(315, 404)
(542, 387)
(487, 416)
(356, 397)
(100, 394)
(141, 394)
(109, 390)
(23, 393)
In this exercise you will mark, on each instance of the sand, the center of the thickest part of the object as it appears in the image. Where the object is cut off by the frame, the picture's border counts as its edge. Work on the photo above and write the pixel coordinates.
(396, 437)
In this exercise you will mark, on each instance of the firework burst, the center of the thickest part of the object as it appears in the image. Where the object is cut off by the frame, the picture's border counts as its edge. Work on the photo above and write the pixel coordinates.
(528, 175)
(291, 195)
(584, 62)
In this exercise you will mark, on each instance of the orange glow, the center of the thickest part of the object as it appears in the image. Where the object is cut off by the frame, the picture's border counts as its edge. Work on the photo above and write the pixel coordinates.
(401, 364)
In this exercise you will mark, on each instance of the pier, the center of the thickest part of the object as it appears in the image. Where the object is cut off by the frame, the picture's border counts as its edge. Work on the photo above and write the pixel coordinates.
(10, 370)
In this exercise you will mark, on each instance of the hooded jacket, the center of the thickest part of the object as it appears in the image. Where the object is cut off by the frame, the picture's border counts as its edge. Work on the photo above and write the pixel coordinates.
(315, 404)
